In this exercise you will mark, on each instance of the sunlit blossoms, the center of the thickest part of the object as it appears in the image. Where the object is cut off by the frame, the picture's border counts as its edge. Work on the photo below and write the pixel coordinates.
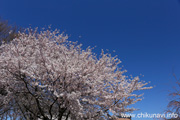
(45, 76)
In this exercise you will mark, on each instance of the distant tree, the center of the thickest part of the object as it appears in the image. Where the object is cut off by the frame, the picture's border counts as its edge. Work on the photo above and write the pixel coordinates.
(46, 77)
(174, 104)
(7, 32)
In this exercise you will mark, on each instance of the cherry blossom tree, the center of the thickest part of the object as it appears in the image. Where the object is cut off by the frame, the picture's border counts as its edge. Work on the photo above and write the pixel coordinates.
(44, 76)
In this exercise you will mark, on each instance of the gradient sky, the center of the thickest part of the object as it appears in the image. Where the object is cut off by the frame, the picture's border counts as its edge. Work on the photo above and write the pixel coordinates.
(144, 33)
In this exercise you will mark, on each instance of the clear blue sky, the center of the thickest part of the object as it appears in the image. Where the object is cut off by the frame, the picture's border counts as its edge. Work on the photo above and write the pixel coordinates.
(144, 33)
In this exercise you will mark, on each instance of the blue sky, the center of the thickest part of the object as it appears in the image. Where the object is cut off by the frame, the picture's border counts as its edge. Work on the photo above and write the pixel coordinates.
(144, 33)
